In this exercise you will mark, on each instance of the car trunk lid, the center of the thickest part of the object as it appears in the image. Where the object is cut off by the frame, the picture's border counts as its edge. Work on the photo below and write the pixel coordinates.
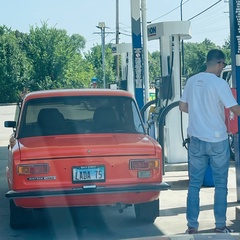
(73, 146)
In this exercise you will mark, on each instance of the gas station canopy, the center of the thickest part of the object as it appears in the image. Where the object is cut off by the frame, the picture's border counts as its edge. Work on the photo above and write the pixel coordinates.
(158, 30)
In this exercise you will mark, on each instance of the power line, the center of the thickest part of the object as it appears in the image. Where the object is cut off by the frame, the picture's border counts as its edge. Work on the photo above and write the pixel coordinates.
(205, 10)
(213, 16)
(129, 35)
(189, 18)
(169, 12)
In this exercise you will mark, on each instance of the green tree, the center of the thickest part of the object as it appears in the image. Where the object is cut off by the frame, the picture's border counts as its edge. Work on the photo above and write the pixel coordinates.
(154, 66)
(78, 42)
(52, 52)
(15, 68)
(79, 72)
(94, 56)
(227, 50)
(195, 56)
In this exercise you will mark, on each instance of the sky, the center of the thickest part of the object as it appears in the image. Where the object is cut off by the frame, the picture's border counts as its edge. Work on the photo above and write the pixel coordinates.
(82, 17)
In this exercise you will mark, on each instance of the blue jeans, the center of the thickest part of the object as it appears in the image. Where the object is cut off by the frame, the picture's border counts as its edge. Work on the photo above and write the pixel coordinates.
(199, 154)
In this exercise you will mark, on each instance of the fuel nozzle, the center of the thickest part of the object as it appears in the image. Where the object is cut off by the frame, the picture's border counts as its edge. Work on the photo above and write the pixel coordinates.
(186, 141)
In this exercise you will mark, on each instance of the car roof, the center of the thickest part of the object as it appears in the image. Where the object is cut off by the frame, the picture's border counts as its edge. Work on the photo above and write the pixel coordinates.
(227, 68)
(77, 92)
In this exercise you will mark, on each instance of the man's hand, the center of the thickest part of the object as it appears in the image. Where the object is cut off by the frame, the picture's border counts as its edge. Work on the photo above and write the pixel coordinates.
(184, 107)
(235, 109)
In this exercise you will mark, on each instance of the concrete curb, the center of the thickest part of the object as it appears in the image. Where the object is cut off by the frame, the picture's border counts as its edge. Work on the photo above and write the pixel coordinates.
(176, 167)
(202, 236)
(184, 166)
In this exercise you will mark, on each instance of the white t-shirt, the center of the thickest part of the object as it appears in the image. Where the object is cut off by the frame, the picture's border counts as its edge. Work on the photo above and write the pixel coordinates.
(207, 95)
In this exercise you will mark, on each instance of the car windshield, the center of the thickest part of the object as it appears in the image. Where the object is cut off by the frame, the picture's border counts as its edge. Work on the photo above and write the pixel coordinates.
(79, 115)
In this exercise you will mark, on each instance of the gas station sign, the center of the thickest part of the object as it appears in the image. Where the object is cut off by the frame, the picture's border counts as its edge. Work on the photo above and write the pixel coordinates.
(137, 52)
(138, 67)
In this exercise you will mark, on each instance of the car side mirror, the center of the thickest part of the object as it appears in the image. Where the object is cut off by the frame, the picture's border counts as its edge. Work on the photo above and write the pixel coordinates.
(10, 124)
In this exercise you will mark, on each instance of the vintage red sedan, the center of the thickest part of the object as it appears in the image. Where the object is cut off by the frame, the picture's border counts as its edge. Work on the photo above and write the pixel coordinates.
(82, 147)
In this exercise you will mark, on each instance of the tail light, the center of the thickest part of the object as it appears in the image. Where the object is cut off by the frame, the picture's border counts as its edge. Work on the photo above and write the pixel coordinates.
(25, 169)
(138, 164)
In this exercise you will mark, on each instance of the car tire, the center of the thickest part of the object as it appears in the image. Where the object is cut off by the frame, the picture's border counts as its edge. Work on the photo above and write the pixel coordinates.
(19, 217)
(147, 212)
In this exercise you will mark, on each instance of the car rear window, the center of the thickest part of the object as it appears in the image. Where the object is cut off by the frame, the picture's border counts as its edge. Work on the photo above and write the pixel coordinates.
(79, 115)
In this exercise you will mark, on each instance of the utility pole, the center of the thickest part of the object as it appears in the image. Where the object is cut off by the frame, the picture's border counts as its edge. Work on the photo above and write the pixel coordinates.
(101, 25)
(117, 40)
(182, 44)
(145, 49)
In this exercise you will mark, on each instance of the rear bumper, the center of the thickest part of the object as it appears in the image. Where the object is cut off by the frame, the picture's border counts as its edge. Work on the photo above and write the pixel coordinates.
(87, 191)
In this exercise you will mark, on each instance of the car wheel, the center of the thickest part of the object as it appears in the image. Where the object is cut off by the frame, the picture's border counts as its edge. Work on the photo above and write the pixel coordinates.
(147, 212)
(19, 217)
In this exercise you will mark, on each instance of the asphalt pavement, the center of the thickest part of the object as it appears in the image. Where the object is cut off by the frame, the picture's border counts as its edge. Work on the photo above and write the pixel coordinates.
(172, 220)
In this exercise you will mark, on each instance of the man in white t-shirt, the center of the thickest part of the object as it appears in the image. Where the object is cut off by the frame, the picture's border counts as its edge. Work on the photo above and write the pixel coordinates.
(204, 98)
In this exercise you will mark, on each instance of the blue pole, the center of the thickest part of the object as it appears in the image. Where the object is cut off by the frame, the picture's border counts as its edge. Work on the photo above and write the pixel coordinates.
(235, 46)
(234, 7)
(137, 52)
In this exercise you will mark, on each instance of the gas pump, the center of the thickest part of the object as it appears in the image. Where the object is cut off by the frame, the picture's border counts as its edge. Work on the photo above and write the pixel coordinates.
(125, 51)
(230, 119)
(168, 88)
(231, 122)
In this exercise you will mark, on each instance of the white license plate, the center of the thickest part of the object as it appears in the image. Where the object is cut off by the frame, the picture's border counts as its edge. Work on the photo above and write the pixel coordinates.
(88, 174)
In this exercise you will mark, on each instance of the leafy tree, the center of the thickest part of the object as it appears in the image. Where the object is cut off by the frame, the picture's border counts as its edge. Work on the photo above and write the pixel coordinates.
(227, 50)
(78, 41)
(14, 66)
(52, 52)
(195, 56)
(79, 72)
(110, 65)
(94, 56)
(154, 66)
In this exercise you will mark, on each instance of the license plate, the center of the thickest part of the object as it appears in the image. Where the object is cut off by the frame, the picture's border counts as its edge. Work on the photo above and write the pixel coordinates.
(88, 174)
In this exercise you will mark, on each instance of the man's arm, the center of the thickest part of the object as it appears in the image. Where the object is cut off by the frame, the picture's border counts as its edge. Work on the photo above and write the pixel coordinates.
(235, 109)
(184, 107)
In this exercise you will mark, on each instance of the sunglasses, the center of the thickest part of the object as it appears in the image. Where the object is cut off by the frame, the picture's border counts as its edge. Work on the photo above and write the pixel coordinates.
(224, 64)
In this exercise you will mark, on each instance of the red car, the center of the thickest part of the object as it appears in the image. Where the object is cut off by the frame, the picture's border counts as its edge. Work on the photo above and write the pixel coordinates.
(82, 147)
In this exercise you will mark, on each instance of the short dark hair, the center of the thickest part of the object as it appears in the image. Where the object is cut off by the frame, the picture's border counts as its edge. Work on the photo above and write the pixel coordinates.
(215, 55)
